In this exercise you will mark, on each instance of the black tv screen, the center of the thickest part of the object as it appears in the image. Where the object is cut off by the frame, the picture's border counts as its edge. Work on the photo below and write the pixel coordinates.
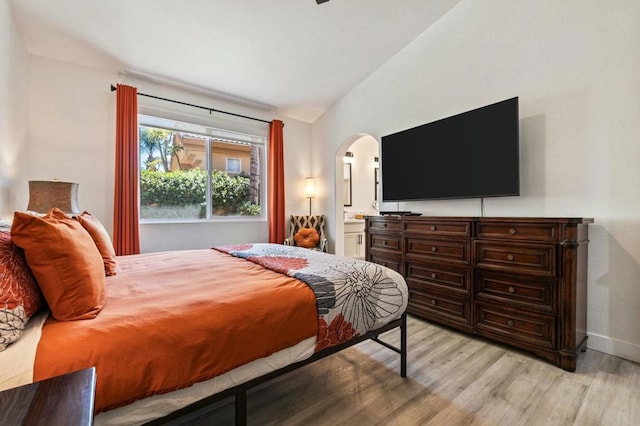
(472, 154)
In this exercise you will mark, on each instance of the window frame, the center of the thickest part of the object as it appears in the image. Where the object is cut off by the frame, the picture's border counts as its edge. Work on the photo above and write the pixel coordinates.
(210, 134)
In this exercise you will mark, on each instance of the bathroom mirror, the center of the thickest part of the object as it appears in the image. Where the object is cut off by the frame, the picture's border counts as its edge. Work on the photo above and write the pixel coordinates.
(347, 184)
(375, 183)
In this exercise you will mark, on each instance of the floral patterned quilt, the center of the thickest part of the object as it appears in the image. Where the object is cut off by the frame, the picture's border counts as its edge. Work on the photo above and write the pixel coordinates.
(353, 296)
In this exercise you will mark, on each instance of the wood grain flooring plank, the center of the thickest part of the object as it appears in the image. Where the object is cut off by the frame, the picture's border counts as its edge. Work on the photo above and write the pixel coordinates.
(614, 396)
(453, 379)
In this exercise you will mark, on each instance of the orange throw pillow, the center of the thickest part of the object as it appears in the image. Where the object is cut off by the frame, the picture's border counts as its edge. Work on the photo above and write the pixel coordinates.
(102, 239)
(307, 238)
(20, 297)
(65, 262)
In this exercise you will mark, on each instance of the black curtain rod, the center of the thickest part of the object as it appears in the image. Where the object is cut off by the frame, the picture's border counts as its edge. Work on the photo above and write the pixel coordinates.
(114, 88)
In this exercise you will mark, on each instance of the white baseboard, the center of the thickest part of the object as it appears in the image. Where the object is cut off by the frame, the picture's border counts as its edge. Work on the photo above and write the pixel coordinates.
(619, 348)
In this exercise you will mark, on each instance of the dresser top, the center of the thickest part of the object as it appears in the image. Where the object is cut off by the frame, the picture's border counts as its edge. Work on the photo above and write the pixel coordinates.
(517, 219)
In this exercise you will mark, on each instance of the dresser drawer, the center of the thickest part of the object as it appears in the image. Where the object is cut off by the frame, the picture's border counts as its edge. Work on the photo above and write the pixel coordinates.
(385, 242)
(438, 228)
(535, 259)
(515, 231)
(390, 260)
(447, 309)
(536, 294)
(452, 250)
(387, 225)
(429, 276)
(531, 328)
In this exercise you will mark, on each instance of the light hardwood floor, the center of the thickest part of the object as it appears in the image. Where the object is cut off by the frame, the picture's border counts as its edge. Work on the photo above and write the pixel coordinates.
(453, 379)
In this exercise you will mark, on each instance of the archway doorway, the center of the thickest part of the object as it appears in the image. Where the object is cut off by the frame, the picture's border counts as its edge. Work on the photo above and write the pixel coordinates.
(356, 192)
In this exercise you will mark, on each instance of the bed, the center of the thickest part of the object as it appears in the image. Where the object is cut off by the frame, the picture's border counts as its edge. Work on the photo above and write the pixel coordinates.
(181, 329)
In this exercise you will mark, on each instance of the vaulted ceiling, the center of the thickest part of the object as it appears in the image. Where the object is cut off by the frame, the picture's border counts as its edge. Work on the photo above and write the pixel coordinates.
(296, 56)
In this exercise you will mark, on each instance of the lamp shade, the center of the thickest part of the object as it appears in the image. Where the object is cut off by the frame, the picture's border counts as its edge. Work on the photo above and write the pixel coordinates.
(310, 187)
(47, 194)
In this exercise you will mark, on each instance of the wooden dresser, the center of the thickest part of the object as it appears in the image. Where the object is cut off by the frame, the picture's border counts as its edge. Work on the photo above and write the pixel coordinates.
(519, 281)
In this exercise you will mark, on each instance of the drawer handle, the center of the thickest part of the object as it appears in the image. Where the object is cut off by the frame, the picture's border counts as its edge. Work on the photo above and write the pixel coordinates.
(433, 301)
(433, 227)
(434, 249)
(512, 231)
(510, 257)
(385, 225)
(512, 290)
(434, 275)
(510, 323)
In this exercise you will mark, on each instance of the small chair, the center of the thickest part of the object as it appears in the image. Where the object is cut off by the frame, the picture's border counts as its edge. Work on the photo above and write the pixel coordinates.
(300, 222)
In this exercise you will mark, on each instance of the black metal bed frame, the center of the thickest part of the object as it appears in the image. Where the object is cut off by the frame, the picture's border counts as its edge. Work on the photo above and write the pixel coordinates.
(240, 391)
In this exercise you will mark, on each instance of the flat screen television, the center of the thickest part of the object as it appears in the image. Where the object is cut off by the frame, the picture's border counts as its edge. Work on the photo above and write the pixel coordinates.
(469, 155)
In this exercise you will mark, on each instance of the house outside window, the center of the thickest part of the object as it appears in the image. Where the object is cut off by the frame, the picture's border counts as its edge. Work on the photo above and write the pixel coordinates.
(190, 172)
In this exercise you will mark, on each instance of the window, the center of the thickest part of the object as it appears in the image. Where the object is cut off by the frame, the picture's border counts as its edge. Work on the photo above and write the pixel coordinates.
(191, 172)
(233, 165)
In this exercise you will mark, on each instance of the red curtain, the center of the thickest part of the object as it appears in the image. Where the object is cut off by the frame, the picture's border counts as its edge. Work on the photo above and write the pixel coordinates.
(276, 183)
(126, 238)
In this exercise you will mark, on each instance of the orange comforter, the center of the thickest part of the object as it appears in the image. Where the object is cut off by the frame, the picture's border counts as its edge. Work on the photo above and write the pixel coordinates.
(175, 318)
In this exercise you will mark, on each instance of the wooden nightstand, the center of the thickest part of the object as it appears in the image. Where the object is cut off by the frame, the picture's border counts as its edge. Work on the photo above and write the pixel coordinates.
(63, 400)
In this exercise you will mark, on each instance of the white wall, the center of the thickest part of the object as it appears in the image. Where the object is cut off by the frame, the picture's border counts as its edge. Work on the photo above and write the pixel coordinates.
(14, 62)
(72, 134)
(576, 67)
(298, 162)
